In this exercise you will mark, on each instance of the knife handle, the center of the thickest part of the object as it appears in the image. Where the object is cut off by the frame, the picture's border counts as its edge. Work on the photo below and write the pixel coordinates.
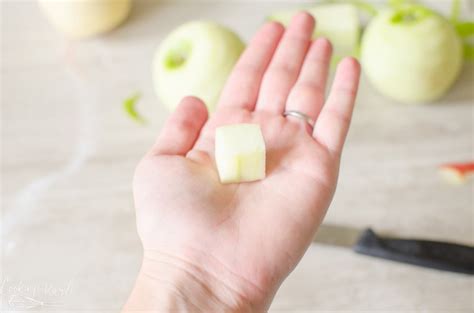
(438, 255)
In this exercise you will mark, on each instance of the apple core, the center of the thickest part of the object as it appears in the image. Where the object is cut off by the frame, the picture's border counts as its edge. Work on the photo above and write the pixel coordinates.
(177, 57)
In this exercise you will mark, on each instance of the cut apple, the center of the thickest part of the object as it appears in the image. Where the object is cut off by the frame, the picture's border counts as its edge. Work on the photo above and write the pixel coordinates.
(195, 59)
(400, 39)
(457, 173)
(240, 153)
(338, 22)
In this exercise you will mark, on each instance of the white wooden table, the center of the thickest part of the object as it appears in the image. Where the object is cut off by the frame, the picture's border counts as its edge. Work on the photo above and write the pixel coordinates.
(68, 154)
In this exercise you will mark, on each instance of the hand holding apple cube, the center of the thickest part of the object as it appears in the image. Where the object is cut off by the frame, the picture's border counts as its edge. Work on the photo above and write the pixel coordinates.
(180, 196)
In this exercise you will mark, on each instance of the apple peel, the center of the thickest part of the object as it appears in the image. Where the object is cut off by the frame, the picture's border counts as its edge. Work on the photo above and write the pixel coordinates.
(457, 173)
(130, 109)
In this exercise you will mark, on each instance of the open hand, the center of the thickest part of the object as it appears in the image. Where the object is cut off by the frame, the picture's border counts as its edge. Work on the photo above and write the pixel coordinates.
(234, 244)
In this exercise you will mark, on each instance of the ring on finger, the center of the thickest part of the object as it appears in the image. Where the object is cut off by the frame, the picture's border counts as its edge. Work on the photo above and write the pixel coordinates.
(299, 115)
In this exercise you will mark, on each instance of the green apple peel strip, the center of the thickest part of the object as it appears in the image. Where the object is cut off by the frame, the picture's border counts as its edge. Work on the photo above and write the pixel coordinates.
(465, 30)
(129, 106)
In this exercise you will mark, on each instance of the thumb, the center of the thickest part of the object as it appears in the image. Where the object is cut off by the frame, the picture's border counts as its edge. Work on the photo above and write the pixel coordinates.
(182, 128)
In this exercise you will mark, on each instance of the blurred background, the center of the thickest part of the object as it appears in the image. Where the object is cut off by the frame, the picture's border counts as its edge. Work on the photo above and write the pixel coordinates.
(69, 148)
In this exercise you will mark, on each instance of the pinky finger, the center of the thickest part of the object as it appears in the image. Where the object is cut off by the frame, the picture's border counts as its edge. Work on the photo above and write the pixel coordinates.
(333, 123)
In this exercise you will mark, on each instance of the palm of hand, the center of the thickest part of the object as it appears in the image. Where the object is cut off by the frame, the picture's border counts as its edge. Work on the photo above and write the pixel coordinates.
(240, 223)
(251, 233)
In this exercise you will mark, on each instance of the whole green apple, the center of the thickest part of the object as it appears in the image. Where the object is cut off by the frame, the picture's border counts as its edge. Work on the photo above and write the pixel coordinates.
(195, 59)
(411, 54)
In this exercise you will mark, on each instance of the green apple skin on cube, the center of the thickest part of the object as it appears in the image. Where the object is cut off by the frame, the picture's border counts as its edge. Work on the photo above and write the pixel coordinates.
(338, 22)
(240, 153)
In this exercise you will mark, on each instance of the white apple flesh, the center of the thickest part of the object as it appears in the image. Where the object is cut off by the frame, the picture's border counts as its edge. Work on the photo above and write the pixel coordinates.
(337, 22)
(412, 55)
(240, 153)
(85, 18)
(195, 60)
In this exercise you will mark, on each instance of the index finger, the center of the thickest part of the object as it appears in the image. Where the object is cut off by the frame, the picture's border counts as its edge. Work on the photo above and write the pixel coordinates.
(243, 84)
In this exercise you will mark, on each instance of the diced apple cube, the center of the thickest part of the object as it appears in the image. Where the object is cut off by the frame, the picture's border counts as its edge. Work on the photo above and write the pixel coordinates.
(240, 153)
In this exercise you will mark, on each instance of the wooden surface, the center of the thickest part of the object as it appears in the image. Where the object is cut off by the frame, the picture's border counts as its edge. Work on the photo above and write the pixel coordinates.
(68, 154)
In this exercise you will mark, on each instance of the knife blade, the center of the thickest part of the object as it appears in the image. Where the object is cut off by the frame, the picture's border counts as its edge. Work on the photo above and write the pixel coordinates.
(438, 255)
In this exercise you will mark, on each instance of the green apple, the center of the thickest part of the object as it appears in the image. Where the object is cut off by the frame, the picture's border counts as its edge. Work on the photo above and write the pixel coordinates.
(85, 18)
(411, 54)
(240, 153)
(195, 59)
(338, 22)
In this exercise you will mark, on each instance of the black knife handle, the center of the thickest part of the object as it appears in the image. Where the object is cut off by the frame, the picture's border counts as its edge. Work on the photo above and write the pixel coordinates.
(438, 255)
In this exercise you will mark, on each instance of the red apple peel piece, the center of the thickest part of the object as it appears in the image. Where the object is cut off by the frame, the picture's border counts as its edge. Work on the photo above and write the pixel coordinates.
(457, 173)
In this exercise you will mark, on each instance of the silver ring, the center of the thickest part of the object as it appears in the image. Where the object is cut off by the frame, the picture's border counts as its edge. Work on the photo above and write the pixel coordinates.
(299, 115)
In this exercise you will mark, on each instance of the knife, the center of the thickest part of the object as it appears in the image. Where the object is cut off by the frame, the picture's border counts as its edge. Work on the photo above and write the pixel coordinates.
(438, 255)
